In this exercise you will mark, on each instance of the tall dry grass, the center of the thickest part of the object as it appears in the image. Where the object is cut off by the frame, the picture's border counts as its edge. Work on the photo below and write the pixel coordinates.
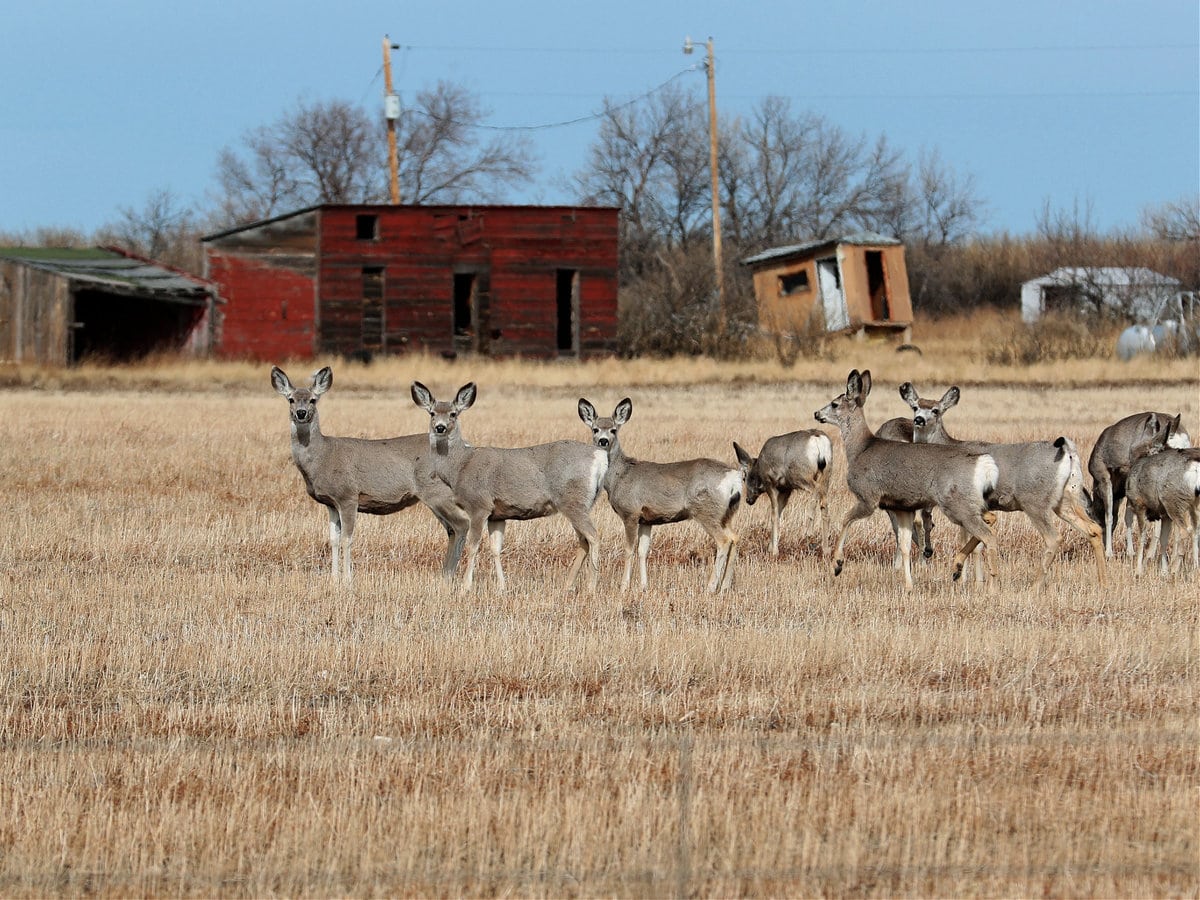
(190, 707)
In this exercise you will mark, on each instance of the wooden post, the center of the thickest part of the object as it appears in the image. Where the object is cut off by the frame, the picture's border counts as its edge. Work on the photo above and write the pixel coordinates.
(710, 66)
(393, 154)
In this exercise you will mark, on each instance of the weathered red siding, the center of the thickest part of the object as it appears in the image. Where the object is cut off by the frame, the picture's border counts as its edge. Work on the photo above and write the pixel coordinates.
(268, 309)
(515, 252)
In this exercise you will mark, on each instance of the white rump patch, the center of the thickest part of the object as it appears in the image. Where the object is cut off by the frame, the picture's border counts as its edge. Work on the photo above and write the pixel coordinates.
(731, 484)
(987, 473)
(819, 448)
(1191, 478)
(1179, 440)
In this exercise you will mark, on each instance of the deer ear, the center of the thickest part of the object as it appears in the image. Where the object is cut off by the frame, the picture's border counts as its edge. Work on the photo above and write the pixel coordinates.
(866, 384)
(909, 395)
(950, 398)
(745, 460)
(587, 412)
(281, 382)
(322, 381)
(422, 397)
(623, 412)
(853, 383)
(465, 398)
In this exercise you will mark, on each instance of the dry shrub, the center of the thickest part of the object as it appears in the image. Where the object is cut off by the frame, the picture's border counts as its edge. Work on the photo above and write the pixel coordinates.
(1051, 339)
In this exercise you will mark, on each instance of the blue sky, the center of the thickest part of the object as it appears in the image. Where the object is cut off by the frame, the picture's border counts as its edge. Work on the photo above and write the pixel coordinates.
(1092, 104)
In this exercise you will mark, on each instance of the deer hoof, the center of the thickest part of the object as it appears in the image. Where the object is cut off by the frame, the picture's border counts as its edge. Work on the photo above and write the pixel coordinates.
(837, 567)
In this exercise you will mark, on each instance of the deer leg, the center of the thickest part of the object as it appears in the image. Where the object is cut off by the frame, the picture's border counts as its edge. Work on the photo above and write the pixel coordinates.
(926, 532)
(643, 550)
(977, 530)
(335, 543)
(779, 502)
(897, 562)
(726, 540)
(860, 510)
(631, 536)
(1106, 494)
(1143, 539)
(904, 534)
(585, 533)
(496, 539)
(349, 516)
(1071, 511)
(821, 521)
(474, 537)
(1164, 544)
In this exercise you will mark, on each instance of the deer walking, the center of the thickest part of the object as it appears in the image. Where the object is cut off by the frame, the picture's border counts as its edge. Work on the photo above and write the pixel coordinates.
(644, 494)
(797, 461)
(1042, 479)
(478, 488)
(904, 478)
(348, 475)
(1109, 465)
(1164, 485)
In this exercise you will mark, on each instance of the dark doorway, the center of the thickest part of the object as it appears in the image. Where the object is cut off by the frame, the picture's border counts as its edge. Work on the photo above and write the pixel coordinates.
(372, 311)
(566, 302)
(881, 308)
(119, 328)
(472, 313)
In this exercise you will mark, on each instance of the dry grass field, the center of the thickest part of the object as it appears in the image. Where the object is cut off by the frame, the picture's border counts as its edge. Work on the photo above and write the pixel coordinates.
(191, 708)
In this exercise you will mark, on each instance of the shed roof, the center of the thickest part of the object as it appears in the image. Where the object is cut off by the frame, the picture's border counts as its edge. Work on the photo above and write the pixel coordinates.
(1106, 276)
(858, 238)
(113, 271)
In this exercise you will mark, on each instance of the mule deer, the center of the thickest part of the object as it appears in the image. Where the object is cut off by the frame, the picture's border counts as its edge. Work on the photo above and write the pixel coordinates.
(1042, 479)
(1109, 467)
(1164, 485)
(903, 478)
(644, 494)
(797, 461)
(348, 475)
(486, 487)
(901, 429)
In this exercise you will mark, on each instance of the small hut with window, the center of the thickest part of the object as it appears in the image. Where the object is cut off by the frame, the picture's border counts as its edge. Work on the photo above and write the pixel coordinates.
(856, 284)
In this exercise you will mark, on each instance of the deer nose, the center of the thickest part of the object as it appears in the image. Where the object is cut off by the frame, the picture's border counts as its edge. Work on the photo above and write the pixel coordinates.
(301, 414)
(440, 429)
(603, 442)
(919, 421)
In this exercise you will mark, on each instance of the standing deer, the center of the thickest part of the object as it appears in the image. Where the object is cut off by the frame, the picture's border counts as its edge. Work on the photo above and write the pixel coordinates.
(1164, 485)
(901, 429)
(1042, 479)
(486, 487)
(797, 461)
(1109, 467)
(904, 478)
(644, 494)
(348, 475)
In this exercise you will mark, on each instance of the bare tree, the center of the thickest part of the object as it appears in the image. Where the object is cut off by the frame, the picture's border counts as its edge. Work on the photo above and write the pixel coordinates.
(1175, 221)
(335, 152)
(442, 159)
(163, 229)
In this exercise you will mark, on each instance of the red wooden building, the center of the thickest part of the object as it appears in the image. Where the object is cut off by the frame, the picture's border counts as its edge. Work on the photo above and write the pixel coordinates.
(537, 281)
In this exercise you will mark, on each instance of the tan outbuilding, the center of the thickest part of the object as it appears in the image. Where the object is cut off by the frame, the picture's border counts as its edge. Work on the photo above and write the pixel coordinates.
(856, 284)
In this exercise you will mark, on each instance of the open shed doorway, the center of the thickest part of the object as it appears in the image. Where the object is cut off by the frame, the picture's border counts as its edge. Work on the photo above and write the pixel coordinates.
(566, 303)
(877, 287)
(120, 328)
(472, 312)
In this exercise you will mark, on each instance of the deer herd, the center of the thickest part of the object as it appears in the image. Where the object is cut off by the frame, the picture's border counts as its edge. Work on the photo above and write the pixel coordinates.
(907, 467)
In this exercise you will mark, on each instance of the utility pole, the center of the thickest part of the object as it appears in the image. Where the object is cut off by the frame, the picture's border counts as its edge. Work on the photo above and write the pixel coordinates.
(719, 269)
(391, 111)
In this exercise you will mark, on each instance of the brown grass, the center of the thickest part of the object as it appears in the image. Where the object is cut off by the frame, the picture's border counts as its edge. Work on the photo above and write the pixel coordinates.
(190, 708)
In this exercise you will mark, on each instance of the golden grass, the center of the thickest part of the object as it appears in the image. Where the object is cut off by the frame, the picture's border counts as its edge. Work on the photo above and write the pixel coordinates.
(190, 708)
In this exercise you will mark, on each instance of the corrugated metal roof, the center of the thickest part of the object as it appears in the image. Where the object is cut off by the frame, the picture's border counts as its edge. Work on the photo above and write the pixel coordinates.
(110, 270)
(860, 238)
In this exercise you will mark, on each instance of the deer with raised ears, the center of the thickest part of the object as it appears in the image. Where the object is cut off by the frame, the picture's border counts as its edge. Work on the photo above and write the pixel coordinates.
(903, 478)
(1164, 485)
(797, 461)
(1109, 467)
(1043, 479)
(489, 486)
(901, 429)
(347, 475)
(644, 494)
